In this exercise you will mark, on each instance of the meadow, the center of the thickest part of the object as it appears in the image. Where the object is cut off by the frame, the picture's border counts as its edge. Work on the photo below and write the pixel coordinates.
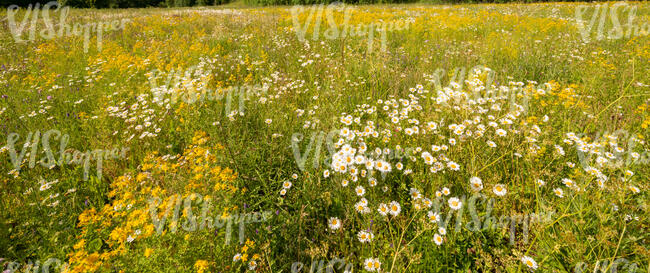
(328, 138)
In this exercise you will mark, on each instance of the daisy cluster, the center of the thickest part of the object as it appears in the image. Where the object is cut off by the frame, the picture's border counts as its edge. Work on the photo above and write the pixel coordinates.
(141, 120)
(475, 119)
(609, 150)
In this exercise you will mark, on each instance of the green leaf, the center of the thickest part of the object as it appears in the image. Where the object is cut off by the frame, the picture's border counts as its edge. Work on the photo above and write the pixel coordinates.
(95, 245)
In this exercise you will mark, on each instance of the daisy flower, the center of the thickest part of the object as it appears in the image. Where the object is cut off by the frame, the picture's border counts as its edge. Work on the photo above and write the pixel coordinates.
(437, 239)
(446, 191)
(334, 223)
(377, 264)
(500, 189)
(567, 182)
(365, 237)
(383, 209)
(286, 185)
(433, 217)
(44, 186)
(344, 183)
(476, 183)
(427, 202)
(442, 231)
(454, 203)
(363, 201)
(395, 208)
(453, 166)
(372, 182)
(559, 192)
(361, 207)
(359, 190)
(415, 194)
(369, 264)
(528, 261)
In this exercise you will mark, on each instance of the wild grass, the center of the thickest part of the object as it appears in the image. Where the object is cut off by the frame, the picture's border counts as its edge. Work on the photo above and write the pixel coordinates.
(103, 99)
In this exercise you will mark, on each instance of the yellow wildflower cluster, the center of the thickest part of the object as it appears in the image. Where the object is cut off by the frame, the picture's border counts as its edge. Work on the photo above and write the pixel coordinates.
(127, 218)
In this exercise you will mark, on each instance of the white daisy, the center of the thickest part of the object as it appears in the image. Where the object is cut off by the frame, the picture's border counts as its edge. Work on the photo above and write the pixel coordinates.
(334, 223)
(445, 191)
(437, 239)
(415, 194)
(383, 209)
(395, 208)
(455, 203)
(360, 191)
(528, 261)
(433, 217)
(442, 231)
(286, 185)
(369, 264)
(500, 190)
(476, 183)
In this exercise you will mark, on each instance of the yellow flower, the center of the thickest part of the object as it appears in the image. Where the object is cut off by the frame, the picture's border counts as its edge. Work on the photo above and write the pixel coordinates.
(147, 252)
(250, 243)
(80, 244)
(201, 266)
(141, 177)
